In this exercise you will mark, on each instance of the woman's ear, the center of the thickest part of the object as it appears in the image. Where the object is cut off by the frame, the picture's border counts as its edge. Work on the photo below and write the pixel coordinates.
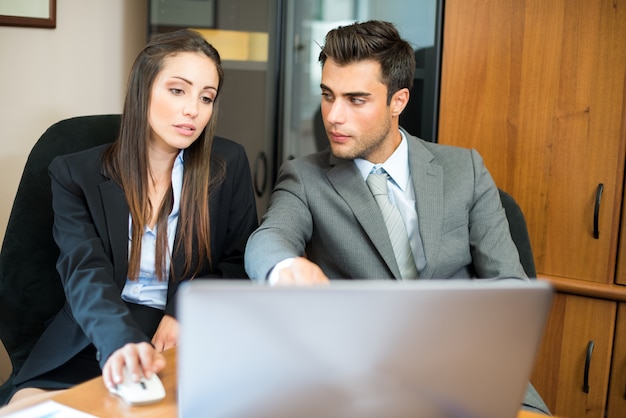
(399, 100)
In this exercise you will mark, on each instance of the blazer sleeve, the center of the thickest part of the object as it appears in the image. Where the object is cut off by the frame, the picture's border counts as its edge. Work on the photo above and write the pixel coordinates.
(86, 271)
(286, 227)
(494, 254)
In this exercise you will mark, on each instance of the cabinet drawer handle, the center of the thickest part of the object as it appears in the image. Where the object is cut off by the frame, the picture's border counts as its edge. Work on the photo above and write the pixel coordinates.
(587, 364)
(596, 211)
(260, 165)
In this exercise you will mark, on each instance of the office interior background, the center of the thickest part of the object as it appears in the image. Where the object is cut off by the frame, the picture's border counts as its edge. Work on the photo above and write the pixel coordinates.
(539, 88)
(271, 96)
(269, 48)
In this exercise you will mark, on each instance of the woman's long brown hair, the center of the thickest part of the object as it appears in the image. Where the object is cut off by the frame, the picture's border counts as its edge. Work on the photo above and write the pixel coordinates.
(126, 161)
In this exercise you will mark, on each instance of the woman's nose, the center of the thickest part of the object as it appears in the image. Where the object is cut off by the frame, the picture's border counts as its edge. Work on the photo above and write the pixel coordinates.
(191, 109)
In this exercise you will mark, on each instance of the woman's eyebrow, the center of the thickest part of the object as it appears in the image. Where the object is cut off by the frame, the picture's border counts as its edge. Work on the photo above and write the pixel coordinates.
(191, 83)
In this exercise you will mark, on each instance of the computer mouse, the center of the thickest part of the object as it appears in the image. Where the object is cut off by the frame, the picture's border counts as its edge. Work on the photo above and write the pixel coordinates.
(143, 392)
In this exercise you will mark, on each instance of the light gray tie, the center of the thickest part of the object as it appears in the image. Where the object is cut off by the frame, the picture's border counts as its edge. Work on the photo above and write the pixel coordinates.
(377, 182)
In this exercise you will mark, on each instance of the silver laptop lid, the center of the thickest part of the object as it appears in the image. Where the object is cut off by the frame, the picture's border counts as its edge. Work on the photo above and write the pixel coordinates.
(358, 348)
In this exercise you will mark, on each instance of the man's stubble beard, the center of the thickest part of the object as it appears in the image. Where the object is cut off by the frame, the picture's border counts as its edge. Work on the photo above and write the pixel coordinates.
(363, 148)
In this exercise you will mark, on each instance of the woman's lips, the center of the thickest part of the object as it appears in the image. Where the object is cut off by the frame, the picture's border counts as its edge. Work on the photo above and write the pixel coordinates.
(185, 129)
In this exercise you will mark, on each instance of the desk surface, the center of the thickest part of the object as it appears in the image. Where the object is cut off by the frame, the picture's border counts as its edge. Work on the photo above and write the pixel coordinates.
(94, 398)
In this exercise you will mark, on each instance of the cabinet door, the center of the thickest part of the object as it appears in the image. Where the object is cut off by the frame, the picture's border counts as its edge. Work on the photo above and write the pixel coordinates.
(617, 384)
(562, 361)
(537, 87)
(620, 275)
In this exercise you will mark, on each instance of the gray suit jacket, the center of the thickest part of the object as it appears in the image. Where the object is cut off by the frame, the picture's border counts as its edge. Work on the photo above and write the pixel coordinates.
(322, 208)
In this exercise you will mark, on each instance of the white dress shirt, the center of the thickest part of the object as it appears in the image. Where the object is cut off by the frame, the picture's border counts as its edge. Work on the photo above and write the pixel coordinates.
(147, 289)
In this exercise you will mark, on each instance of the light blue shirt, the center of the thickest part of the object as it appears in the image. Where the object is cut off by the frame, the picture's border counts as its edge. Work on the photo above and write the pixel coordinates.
(147, 290)
(401, 194)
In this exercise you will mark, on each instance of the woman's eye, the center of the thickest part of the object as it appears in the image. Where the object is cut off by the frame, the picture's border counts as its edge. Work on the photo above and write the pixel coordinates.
(176, 91)
(207, 100)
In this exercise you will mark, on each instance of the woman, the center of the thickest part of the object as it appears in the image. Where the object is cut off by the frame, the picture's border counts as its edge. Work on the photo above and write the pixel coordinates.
(165, 203)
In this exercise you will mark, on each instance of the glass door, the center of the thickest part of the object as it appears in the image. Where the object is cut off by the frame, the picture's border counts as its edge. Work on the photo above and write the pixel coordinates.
(247, 35)
(271, 96)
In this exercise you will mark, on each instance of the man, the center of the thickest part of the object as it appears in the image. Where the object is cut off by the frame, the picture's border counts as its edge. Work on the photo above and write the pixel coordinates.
(323, 221)
(322, 206)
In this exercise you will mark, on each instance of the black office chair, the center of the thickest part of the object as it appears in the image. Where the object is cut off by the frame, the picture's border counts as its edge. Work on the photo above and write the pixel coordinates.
(319, 131)
(519, 233)
(30, 286)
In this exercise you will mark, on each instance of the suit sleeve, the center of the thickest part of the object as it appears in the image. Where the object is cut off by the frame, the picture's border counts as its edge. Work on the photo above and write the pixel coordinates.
(285, 228)
(494, 255)
(86, 270)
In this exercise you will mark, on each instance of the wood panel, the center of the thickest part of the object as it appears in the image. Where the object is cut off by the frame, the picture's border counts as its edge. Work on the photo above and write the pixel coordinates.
(620, 274)
(607, 291)
(617, 386)
(538, 88)
(559, 369)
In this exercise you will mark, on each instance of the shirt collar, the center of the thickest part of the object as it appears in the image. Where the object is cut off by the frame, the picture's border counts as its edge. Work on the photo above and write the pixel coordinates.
(177, 181)
(397, 165)
(177, 186)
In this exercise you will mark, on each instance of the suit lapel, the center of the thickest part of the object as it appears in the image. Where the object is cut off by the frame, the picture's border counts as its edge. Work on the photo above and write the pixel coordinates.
(427, 180)
(178, 264)
(347, 181)
(116, 213)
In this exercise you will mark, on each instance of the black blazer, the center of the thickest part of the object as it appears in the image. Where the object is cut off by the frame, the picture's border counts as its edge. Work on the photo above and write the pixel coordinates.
(91, 230)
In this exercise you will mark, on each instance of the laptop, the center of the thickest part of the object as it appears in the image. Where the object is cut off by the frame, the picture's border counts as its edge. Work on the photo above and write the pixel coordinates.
(436, 348)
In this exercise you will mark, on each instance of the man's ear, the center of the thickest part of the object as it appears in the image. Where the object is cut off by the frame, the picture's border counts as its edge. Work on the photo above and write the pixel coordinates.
(399, 100)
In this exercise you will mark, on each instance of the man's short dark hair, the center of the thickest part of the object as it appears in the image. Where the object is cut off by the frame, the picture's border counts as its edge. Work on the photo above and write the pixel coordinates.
(377, 41)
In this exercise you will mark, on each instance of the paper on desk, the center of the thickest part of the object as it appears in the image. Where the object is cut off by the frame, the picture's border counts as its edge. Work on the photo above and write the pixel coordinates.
(50, 409)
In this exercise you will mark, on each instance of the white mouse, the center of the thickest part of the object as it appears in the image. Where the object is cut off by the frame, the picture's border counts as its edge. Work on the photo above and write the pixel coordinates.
(143, 392)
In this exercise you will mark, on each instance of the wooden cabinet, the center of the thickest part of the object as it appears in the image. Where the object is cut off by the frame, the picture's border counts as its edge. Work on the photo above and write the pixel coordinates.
(620, 276)
(573, 363)
(539, 89)
(617, 382)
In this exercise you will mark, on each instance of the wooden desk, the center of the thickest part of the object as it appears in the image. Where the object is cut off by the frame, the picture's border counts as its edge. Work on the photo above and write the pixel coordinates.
(94, 398)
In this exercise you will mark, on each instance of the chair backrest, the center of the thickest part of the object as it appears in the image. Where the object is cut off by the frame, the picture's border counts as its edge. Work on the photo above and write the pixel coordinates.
(519, 233)
(30, 287)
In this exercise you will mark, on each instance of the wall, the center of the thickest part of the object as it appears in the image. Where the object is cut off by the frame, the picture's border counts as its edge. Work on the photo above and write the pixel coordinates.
(46, 75)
